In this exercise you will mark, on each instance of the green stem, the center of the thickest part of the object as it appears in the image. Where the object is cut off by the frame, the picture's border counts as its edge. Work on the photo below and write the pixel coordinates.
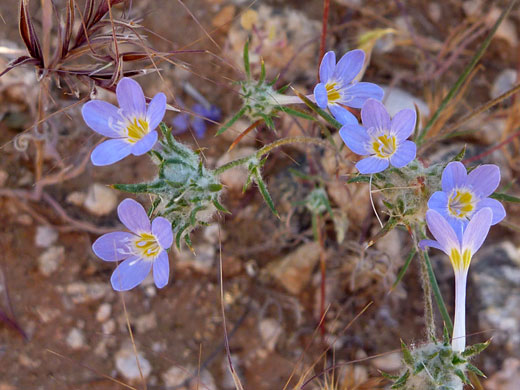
(267, 148)
(453, 91)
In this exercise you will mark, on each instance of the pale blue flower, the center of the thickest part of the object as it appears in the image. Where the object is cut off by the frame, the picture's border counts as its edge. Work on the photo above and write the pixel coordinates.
(381, 138)
(465, 194)
(142, 249)
(460, 251)
(184, 120)
(337, 87)
(130, 127)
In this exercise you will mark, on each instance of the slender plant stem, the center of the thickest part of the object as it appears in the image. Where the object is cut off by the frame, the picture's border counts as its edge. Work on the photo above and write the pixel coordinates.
(324, 24)
(428, 304)
(476, 58)
(267, 148)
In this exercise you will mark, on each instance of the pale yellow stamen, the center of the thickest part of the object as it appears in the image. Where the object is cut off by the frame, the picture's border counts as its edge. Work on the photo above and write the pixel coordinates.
(332, 93)
(147, 246)
(137, 129)
(461, 203)
(384, 146)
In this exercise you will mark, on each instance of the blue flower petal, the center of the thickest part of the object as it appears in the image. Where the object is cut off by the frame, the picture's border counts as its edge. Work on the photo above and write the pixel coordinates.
(161, 270)
(133, 216)
(180, 123)
(145, 144)
(372, 165)
(349, 66)
(99, 115)
(320, 94)
(484, 179)
(131, 98)
(477, 230)
(328, 63)
(442, 232)
(374, 115)
(404, 154)
(162, 229)
(342, 115)
(458, 225)
(356, 138)
(156, 110)
(454, 175)
(357, 94)
(199, 126)
(110, 151)
(429, 243)
(130, 273)
(112, 246)
(439, 202)
(499, 213)
(403, 124)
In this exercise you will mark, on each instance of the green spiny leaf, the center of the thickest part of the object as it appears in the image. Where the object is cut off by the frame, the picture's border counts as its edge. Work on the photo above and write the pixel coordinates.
(460, 155)
(262, 72)
(389, 376)
(405, 267)
(263, 191)
(505, 197)
(474, 369)
(230, 122)
(359, 179)
(462, 376)
(475, 349)
(219, 206)
(407, 355)
(247, 67)
(132, 188)
(295, 112)
(401, 382)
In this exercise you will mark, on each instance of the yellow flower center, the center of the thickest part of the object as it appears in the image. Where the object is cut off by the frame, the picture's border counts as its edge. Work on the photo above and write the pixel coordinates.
(147, 246)
(384, 146)
(332, 93)
(458, 261)
(461, 203)
(136, 130)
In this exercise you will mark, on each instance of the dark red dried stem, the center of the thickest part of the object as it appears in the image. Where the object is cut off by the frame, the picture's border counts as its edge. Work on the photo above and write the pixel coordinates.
(326, 6)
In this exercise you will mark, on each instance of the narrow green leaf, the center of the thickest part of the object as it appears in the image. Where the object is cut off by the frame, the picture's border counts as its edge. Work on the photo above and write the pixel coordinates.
(230, 122)
(219, 206)
(264, 192)
(389, 376)
(474, 369)
(247, 67)
(193, 215)
(401, 382)
(405, 267)
(359, 179)
(329, 118)
(475, 349)
(505, 197)
(179, 235)
(462, 376)
(262, 72)
(407, 355)
(460, 155)
(295, 112)
(132, 188)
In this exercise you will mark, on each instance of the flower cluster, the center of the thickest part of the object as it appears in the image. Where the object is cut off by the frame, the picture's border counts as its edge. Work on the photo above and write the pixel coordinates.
(132, 129)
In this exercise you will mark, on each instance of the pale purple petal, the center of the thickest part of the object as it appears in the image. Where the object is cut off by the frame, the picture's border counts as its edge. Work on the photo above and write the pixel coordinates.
(112, 246)
(439, 202)
(156, 110)
(180, 123)
(429, 243)
(403, 124)
(454, 175)
(342, 115)
(374, 115)
(130, 273)
(499, 213)
(442, 232)
(99, 115)
(477, 230)
(110, 151)
(145, 144)
(320, 94)
(356, 138)
(458, 225)
(328, 63)
(133, 216)
(349, 66)
(162, 229)
(404, 154)
(131, 97)
(199, 126)
(372, 165)
(161, 270)
(358, 93)
(484, 179)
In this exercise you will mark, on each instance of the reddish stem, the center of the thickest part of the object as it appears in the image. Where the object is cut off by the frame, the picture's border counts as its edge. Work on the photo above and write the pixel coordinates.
(491, 150)
(326, 6)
